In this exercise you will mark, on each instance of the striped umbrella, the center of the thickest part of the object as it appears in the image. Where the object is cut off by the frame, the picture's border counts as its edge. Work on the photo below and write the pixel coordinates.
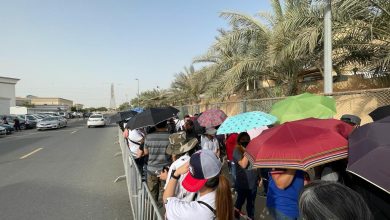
(300, 144)
(211, 118)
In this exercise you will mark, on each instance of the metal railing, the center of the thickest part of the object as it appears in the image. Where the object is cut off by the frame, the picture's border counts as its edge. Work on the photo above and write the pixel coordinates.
(359, 103)
(143, 206)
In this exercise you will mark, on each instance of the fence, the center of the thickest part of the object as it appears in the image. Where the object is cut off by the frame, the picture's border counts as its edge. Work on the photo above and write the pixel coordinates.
(359, 103)
(143, 206)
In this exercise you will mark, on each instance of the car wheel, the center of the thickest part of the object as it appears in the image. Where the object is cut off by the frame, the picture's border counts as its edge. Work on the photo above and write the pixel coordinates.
(23, 127)
(89, 126)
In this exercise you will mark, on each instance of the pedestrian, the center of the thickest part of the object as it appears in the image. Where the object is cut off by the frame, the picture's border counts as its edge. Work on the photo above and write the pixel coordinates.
(5, 121)
(182, 148)
(171, 126)
(136, 140)
(322, 200)
(17, 124)
(209, 141)
(246, 180)
(202, 175)
(155, 146)
(231, 142)
(283, 193)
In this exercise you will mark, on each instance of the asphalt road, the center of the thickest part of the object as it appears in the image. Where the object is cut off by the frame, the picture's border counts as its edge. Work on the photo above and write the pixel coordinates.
(67, 173)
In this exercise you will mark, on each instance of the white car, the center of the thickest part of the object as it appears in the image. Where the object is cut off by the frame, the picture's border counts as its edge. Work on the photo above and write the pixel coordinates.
(51, 123)
(96, 120)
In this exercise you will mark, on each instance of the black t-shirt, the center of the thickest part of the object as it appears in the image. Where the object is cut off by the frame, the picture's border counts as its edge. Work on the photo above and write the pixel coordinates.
(245, 178)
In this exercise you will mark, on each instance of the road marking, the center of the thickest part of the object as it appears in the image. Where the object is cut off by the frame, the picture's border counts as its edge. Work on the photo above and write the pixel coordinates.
(73, 132)
(29, 154)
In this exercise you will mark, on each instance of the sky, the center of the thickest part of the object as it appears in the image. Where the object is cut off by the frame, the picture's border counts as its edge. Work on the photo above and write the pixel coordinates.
(75, 49)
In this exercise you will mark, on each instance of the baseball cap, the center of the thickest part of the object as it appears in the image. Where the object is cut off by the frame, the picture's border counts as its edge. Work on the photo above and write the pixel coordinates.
(351, 119)
(204, 165)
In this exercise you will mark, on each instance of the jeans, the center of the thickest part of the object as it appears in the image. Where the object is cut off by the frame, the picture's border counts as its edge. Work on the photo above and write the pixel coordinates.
(250, 196)
(277, 215)
(232, 167)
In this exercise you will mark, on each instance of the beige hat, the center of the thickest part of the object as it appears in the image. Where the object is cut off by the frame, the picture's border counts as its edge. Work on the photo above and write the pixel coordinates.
(179, 144)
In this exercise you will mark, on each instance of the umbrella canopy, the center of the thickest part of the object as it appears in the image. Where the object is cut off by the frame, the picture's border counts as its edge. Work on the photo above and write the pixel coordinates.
(151, 117)
(303, 106)
(369, 153)
(380, 113)
(246, 121)
(300, 144)
(124, 115)
(211, 118)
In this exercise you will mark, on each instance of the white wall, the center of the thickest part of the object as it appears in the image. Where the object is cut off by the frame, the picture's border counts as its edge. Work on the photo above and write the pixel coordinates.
(4, 105)
(7, 90)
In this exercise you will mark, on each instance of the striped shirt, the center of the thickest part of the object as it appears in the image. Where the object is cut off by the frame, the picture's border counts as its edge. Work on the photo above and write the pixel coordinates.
(156, 143)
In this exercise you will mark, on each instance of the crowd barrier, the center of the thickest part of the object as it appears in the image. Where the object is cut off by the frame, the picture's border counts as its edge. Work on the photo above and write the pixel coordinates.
(143, 206)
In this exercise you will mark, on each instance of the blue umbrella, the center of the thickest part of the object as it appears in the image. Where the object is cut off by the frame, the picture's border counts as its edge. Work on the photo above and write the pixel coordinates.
(246, 121)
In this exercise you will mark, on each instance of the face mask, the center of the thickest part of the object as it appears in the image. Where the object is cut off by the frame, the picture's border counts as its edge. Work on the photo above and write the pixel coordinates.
(244, 143)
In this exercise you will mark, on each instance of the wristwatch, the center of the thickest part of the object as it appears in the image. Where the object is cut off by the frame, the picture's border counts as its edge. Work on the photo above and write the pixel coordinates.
(173, 175)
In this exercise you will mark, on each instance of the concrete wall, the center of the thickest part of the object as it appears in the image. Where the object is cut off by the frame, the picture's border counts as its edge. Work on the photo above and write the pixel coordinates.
(5, 104)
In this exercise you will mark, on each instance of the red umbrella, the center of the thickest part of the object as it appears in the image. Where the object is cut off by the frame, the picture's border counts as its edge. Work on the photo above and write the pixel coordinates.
(212, 118)
(301, 144)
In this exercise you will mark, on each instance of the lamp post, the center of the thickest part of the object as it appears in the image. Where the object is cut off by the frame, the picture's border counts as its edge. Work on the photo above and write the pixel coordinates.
(138, 90)
(328, 79)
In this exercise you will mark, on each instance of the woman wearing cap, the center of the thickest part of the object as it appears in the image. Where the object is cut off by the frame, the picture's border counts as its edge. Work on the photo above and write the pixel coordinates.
(202, 175)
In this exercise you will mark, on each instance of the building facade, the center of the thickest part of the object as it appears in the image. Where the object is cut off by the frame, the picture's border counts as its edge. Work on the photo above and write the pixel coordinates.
(40, 101)
(7, 94)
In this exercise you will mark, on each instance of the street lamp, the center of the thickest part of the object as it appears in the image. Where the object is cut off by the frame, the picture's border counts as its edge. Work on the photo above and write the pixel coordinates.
(328, 79)
(138, 90)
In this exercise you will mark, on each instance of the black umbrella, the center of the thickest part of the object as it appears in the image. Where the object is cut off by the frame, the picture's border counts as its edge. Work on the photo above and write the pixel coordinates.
(380, 112)
(151, 117)
(123, 116)
(369, 153)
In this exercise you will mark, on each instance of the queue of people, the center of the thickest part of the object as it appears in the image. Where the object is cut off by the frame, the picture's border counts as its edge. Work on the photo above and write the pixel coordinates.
(183, 170)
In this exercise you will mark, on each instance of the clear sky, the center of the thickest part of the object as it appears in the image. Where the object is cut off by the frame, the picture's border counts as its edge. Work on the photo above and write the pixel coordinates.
(75, 49)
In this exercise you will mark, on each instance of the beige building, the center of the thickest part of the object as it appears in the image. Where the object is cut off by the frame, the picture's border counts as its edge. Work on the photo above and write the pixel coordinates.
(22, 101)
(51, 101)
(78, 106)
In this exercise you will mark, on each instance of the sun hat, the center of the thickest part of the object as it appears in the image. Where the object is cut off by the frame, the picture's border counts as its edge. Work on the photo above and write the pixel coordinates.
(178, 143)
(351, 119)
(204, 165)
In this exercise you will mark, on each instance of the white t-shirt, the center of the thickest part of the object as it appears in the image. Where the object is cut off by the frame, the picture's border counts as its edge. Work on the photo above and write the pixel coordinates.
(180, 192)
(206, 143)
(177, 209)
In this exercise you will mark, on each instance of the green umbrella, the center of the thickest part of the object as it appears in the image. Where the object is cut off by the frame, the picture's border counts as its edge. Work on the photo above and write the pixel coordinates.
(302, 106)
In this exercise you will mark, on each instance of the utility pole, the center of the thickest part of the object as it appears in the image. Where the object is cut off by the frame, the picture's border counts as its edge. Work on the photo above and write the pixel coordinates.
(328, 79)
(138, 90)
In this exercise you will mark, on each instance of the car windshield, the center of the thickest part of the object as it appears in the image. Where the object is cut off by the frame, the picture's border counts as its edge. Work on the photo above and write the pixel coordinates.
(96, 116)
(29, 117)
(49, 119)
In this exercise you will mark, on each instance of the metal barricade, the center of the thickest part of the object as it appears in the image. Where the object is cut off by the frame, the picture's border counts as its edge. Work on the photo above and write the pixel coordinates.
(143, 206)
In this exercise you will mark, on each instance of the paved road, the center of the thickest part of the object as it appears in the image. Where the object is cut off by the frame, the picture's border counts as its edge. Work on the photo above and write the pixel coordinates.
(62, 174)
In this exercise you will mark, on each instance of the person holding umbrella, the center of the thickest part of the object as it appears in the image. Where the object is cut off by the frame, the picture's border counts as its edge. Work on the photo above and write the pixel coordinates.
(246, 180)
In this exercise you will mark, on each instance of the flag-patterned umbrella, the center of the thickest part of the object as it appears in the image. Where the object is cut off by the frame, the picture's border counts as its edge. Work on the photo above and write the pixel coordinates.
(300, 144)
(212, 118)
(245, 122)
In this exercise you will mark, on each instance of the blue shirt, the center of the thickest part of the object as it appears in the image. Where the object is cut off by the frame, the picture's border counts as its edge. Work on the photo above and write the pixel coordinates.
(285, 201)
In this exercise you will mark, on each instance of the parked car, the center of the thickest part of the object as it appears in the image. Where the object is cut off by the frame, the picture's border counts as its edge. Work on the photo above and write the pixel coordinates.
(30, 121)
(51, 123)
(96, 120)
(10, 121)
(8, 128)
(3, 131)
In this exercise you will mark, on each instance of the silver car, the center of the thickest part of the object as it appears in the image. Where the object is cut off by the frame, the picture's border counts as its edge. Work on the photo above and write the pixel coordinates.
(51, 123)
